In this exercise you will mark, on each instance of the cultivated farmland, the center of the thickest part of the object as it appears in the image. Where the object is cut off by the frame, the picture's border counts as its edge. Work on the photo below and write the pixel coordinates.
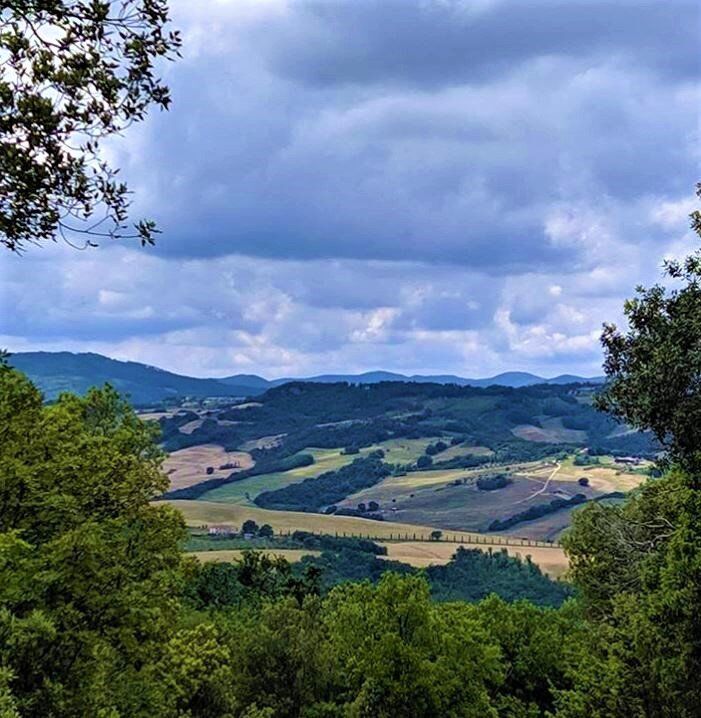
(420, 554)
(187, 467)
(202, 513)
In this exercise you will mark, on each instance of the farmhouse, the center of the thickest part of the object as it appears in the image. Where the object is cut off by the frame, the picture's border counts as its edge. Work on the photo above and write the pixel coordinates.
(629, 460)
(222, 530)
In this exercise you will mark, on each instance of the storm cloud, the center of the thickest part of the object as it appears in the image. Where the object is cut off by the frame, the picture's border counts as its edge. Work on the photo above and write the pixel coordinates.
(425, 185)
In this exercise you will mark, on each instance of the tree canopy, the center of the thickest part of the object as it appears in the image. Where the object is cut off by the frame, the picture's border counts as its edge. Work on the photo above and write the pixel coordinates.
(654, 367)
(73, 72)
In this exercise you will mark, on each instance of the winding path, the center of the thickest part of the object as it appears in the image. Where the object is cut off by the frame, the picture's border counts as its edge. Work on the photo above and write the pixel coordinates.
(544, 487)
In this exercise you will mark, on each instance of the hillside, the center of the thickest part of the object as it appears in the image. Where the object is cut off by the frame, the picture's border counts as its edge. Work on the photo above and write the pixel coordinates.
(511, 379)
(514, 461)
(55, 372)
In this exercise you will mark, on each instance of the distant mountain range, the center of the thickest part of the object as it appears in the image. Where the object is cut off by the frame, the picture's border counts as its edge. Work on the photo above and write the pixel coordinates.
(511, 378)
(55, 372)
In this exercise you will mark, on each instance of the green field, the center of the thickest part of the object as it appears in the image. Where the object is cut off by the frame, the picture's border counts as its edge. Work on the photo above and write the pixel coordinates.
(397, 451)
(431, 498)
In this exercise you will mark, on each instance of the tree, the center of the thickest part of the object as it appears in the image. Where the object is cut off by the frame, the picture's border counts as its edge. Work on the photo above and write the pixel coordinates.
(654, 369)
(638, 566)
(249, 527)
(396, 654)
(89, 570)
(74, 72)
(265, 531)
(436, 535)
(424, 461)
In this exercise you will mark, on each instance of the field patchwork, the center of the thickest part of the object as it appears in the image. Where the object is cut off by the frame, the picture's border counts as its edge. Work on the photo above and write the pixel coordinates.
(450, 500)
(420, 554)
(203, 513)
(400, 451)
(187, 467)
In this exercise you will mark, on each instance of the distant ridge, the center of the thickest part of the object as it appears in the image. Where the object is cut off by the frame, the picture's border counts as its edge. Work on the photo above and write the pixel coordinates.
(55, 372)
(512, 378)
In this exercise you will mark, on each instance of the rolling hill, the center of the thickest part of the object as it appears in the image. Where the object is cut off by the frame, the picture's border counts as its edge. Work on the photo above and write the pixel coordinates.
(55, 372)
(512, 379)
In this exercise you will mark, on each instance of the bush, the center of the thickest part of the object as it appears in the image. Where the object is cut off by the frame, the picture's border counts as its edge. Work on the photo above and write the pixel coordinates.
(249, 527)
(433, 449)
(492, 483)
(424, 462)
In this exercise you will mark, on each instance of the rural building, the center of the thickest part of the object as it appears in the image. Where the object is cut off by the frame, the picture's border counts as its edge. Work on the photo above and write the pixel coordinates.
(222, 530)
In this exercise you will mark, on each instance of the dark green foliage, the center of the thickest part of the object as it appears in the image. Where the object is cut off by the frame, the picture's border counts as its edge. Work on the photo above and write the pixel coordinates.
(535, 512)
(333, 486)
(74, 72)
(433, 449)
(318, 542)
(423, 462)
(473, 575)
(586, 460)
(470, 576)
(90, 572)
(492, 483)
(654, 369)
(638, 566)
(264, 465)
(255, 577)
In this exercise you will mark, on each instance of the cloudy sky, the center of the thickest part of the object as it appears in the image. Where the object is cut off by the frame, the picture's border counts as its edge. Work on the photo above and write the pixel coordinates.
(464, 186)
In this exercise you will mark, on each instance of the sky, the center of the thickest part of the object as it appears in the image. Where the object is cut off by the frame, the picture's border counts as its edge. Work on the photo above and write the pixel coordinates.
(422, 186)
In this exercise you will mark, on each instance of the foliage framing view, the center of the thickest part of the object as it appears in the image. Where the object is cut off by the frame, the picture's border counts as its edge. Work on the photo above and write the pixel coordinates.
(73, 72)
(100, 613)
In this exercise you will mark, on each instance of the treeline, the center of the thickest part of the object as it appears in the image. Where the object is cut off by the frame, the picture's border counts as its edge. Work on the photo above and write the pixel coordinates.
(343, 415)
(328, 488)
(536, 511)
(266, 463)
(470, 575)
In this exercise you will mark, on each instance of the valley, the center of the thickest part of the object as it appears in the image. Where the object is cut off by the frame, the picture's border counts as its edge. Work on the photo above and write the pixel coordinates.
(484, 466)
